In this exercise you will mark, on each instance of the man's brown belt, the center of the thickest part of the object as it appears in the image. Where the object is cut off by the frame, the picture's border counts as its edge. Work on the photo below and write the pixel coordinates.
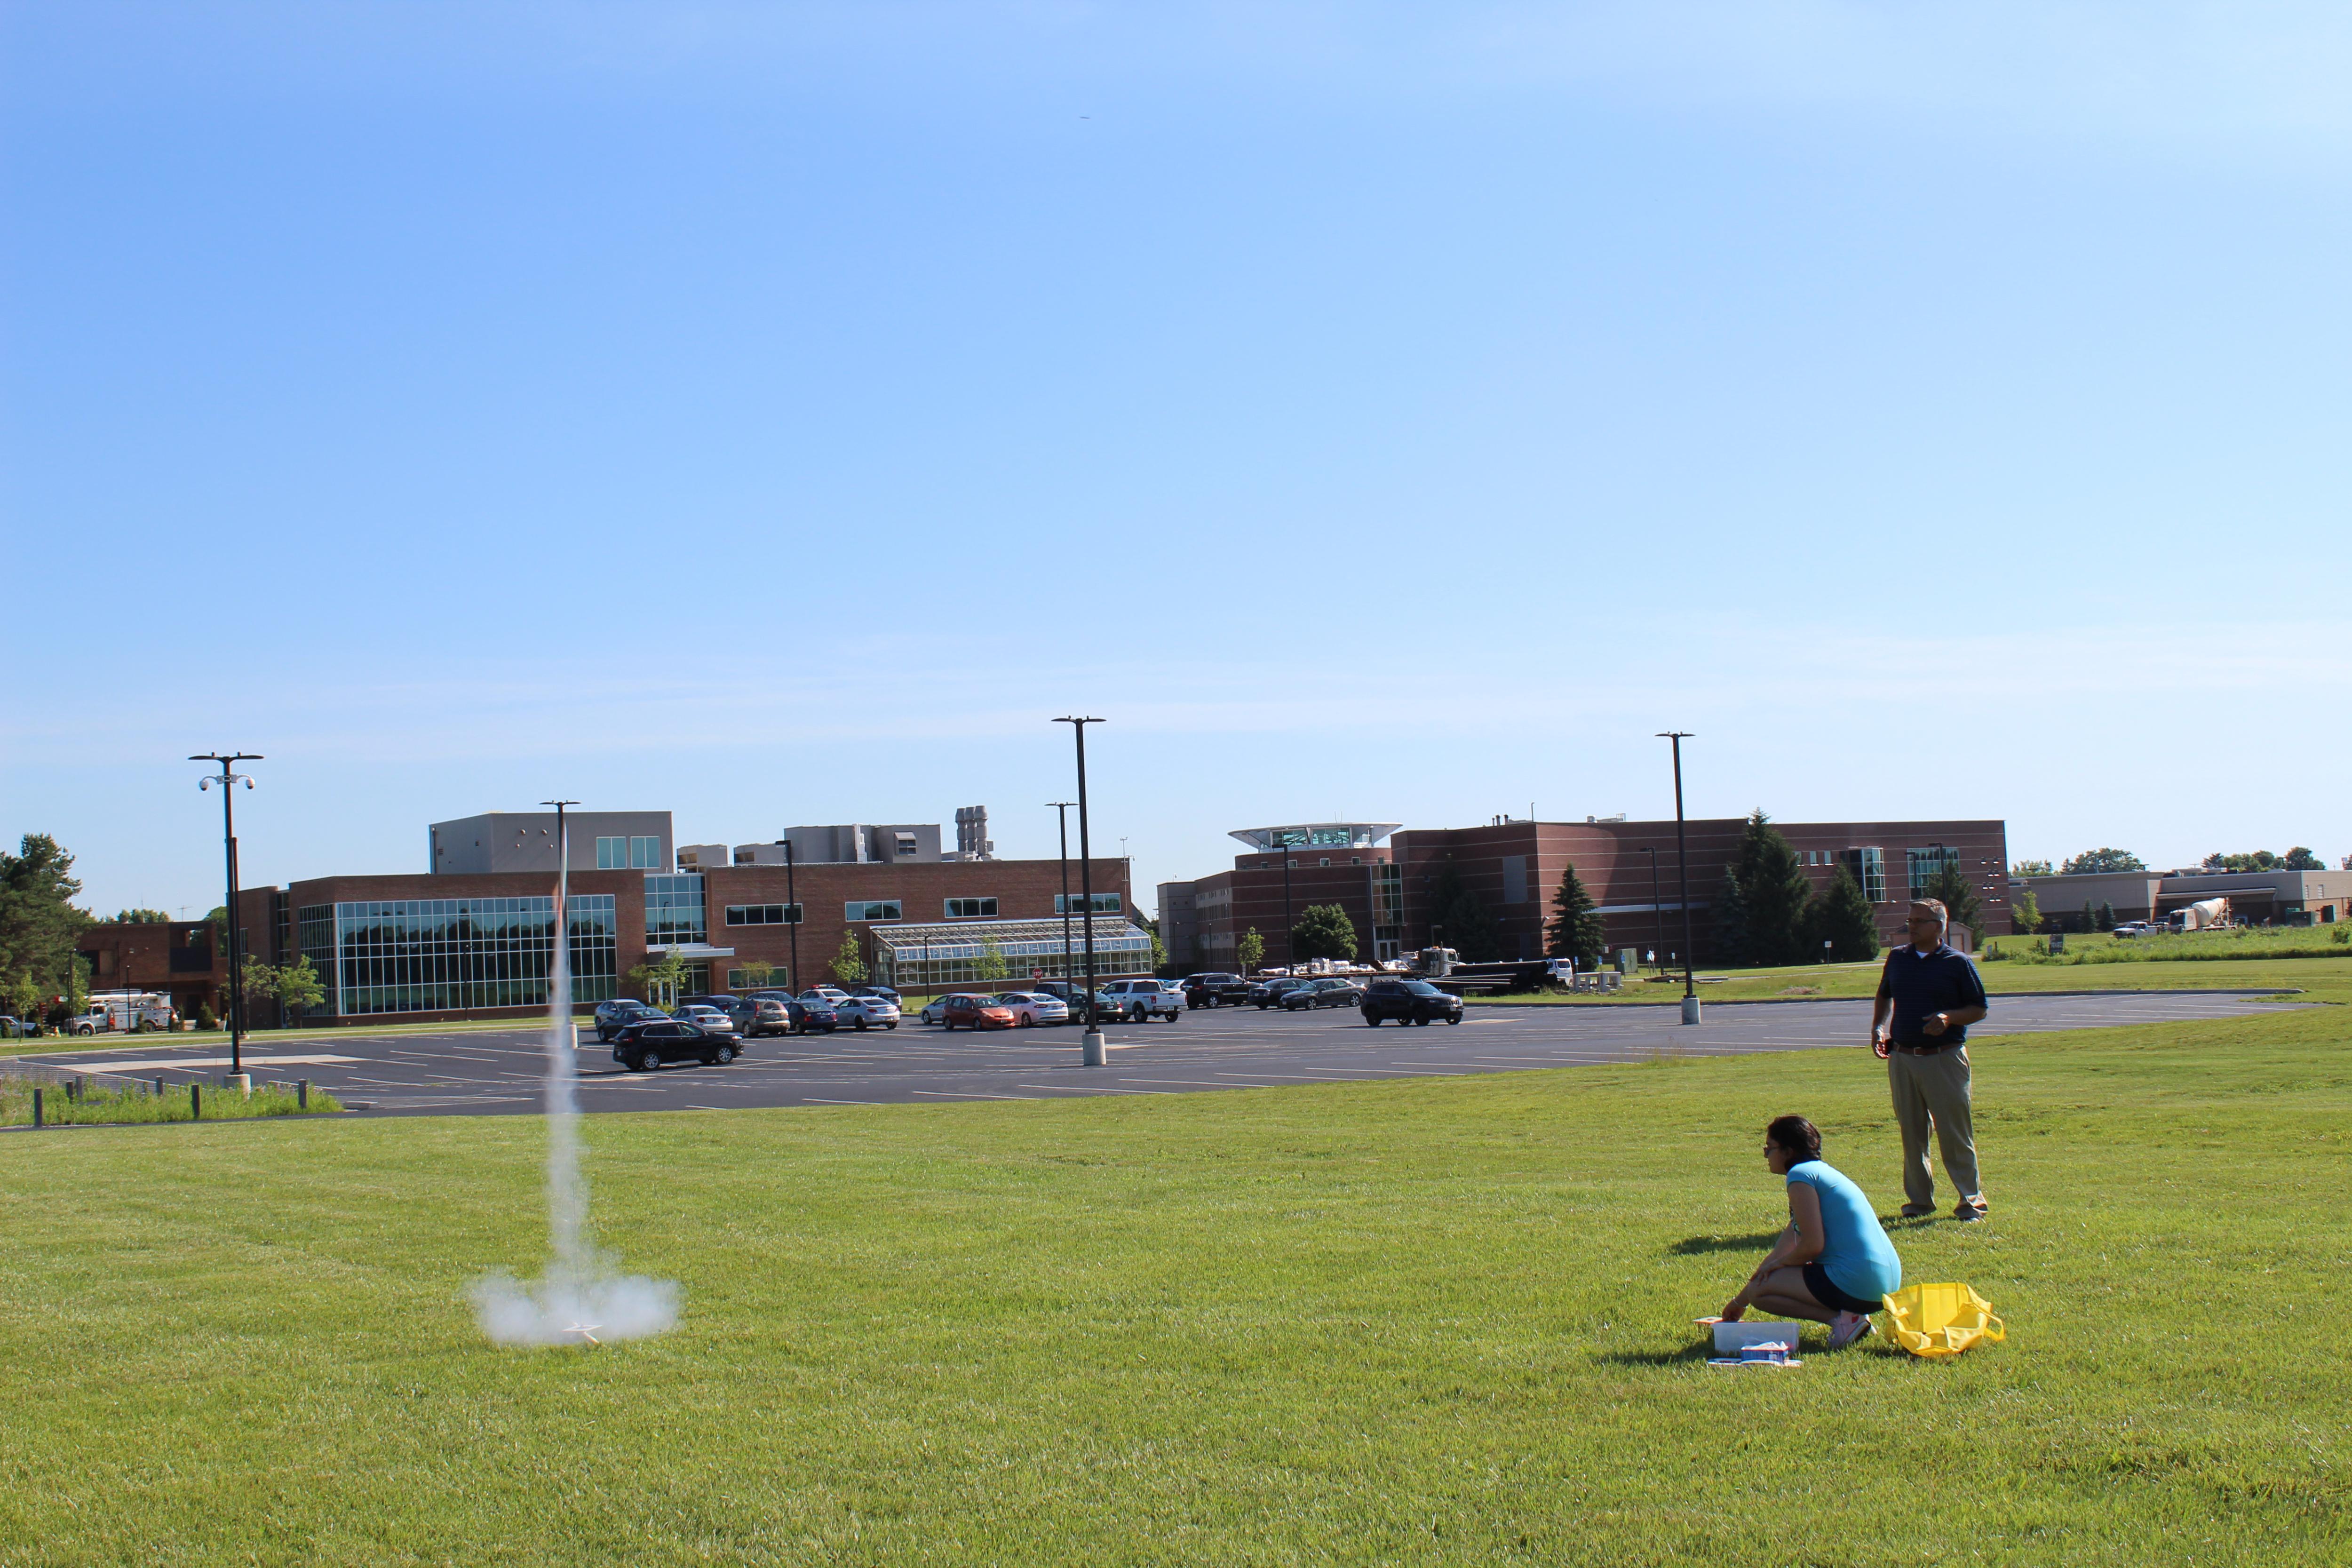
(1930, 1050)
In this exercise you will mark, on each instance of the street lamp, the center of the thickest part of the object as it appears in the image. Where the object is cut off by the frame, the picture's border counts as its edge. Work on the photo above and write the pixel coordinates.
(793, 897)
(1682, 854)
(1062, 810)
(1092, 1052)
(1657, 904)
(1289, 925)
(228, 780)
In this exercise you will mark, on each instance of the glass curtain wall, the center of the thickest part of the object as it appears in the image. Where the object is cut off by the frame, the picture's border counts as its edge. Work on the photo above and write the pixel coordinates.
(431, 956)
(673, 913)
(939, 957)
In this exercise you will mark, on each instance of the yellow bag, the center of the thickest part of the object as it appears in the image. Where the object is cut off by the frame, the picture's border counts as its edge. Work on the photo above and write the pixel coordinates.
(1938, 1321)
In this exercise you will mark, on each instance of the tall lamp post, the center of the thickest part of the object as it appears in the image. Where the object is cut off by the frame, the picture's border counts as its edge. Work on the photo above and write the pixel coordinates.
(1062, 810)
(1092, 1050)
(1682, 854)
(792, 895)
(228, 779)
(1289, 923)
(1657, 904)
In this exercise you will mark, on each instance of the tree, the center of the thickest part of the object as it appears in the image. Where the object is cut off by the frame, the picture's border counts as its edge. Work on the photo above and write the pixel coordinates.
(1575, 930)
(2106, 916)
(658, 981)
(1767, 893)
(848, 967)
(1249, 950)
(757, 973)
(2102, 860)
(23, 995)
(2300, 858)
(2024, 913)
(259, 982)
(137, 918)
(1949, 887)
(2248, 861)
(1842, 918)
(77, 1001)
(299, 985)
(1324, 930)
(2031, 868)
(39, 920)
(990, 964)
(2090, 917)
(1461, 919)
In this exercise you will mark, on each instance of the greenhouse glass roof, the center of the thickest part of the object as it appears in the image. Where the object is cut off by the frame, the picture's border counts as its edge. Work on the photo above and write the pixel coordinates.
(1014, 939)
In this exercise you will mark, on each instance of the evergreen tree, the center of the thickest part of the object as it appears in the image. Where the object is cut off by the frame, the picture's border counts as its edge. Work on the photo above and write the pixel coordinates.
(1324, 930)
(2106, 917)
(2090, 917)
(39, 920)
(1576, 927)
(1461, 919)
(1842, 918)
(1949, 887)
(2300, 858)
(1770, 892)
(1730, 947)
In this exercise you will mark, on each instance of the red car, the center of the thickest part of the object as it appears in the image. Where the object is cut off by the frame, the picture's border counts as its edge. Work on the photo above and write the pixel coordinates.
(976, 1013)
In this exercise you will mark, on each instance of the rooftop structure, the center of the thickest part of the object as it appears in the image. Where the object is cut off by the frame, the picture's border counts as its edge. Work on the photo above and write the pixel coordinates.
(525, 841)
(1316, 835)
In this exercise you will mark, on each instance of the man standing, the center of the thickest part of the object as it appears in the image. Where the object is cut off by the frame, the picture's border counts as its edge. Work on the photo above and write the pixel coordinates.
(1928, 994)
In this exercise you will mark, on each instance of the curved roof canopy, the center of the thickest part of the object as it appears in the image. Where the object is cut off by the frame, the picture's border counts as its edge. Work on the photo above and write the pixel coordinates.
(1316, 835)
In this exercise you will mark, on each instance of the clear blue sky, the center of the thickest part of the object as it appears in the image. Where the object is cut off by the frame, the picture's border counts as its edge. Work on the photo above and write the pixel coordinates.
(781, 413)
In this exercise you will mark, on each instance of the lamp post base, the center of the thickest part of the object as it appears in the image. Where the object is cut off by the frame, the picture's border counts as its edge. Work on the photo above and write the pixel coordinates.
(240, 1082)
(1094, 1052)
(1690, 1010)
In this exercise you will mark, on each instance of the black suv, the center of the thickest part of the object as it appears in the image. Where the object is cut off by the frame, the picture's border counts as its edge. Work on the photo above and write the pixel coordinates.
(613, 1016)
(1409, 1002)
(641, 1047)
(1215, 990)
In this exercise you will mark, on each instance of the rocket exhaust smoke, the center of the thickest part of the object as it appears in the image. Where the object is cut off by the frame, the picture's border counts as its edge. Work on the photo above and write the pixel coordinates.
(583, 1298)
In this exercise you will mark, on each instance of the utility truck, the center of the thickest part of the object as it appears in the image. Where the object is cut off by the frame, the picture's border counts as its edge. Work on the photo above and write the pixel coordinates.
(123, 1013)
(2203, 915)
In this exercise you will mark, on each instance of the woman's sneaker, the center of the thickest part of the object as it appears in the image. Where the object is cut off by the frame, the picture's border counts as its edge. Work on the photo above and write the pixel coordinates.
(1847, 1328)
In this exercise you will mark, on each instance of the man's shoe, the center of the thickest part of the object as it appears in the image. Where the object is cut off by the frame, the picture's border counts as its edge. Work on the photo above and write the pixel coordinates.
(1846, 1328)
(1967, 1215)
(1916, 1211)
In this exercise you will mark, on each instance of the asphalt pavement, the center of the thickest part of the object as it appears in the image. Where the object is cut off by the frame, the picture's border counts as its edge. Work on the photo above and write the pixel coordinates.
(499, 1072)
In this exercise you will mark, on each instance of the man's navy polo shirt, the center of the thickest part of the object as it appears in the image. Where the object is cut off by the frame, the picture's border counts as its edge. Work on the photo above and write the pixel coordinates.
(1926, 984)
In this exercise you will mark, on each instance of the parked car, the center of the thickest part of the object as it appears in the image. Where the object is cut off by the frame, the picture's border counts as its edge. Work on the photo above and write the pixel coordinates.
(1031, 1008)
(831, 995)
(887, 992)
(1070, 993)
(641, 1047)
(775, 1016)
(1322, 993)
(709, 1019)
(1215, 989)
(1138, 1000)
(2139, 927)
(975, 1012)
(868, 1012)
(613, 1016)
(1267, 993)
(803, 1017)
(12, 1028)
(738, 1008)
(1409, 1002)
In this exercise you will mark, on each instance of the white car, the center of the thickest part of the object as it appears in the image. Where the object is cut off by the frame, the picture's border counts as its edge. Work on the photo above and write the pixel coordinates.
(1137, 1000)
(1031, 1008)
(709, 1019)
(832, 996)
(867, 1011)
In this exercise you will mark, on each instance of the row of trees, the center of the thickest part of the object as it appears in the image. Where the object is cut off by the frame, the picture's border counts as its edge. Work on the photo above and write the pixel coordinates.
(2299, 859)
(38, 923)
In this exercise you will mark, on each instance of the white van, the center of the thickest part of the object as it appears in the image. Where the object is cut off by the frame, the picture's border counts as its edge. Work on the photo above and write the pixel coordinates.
(123, 1013)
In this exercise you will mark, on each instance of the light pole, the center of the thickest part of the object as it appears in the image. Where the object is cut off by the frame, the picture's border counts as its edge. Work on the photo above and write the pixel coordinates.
(1682, 854)
(1657, 904)
(1062, 810)
(792, 896)
(1092, 1051)
(1289, 926)
(228, 779)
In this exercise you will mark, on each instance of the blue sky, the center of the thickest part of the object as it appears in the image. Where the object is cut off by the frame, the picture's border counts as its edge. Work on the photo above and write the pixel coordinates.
(779, 414)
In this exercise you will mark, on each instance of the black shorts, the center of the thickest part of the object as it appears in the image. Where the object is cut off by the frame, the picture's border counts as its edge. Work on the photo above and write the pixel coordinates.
(1817, 1280)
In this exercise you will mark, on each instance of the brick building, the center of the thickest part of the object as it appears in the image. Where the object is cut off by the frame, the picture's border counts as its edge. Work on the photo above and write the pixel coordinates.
(1385, 882)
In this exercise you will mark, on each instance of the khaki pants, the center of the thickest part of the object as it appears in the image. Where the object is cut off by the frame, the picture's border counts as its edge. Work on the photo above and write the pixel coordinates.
(1933, 1090)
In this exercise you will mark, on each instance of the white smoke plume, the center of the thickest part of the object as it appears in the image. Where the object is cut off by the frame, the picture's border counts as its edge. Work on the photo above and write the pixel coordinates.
(581, 1298)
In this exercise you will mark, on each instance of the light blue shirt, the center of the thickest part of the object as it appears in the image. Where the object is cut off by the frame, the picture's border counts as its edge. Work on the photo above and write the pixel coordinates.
(1855, 1253)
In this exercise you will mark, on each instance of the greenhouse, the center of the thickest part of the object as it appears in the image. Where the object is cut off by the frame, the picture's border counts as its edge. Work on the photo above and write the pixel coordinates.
(981, 952)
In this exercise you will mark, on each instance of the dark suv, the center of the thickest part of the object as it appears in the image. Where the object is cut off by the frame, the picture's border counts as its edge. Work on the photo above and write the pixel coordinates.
(641, 1047)
(1409, 1002)
(613, 1016)
(1215, 990)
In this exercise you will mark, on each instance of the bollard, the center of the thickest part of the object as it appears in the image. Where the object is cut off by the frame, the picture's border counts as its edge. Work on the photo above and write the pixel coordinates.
(73, 1089)
(159, 1088)
(301, 1094)
(36, 1109)
(195, 1103)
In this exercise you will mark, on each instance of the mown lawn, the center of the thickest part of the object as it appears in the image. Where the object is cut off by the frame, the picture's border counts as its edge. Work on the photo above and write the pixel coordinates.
(2327, 976)
(1441, 1320)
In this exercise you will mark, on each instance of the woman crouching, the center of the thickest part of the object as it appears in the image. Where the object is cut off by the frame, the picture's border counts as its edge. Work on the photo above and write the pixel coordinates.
(1833, 1262)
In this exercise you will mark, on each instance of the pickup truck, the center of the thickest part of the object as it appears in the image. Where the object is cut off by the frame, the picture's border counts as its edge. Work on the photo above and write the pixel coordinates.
(1138, 1000)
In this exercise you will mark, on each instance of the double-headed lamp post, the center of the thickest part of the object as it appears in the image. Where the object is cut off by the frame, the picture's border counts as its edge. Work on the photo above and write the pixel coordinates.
(228, 778)
(1062, 811)
(1092, 1051)
(1682, 854)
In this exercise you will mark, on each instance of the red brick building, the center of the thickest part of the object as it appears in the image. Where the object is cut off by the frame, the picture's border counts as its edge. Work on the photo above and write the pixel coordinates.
(1514, 866)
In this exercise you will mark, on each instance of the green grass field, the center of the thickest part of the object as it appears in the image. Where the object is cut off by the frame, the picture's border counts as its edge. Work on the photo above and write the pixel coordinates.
(1439, 1320)
(2319, 976)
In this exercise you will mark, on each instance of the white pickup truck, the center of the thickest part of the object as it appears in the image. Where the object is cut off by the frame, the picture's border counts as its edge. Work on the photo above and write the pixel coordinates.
(123, 1013)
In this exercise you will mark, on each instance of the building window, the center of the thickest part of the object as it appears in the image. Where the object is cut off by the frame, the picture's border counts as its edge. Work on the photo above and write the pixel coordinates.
(612, 854)
(644, 854)
(907, 846)
(674, 916)
(764, 914)
(1076, 903)
(1869, 869)
(430, 955)
(871, 910)
(1926, 863)
(970, 909)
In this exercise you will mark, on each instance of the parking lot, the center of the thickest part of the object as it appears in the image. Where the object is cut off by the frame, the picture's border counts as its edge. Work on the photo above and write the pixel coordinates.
(497, 1073)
